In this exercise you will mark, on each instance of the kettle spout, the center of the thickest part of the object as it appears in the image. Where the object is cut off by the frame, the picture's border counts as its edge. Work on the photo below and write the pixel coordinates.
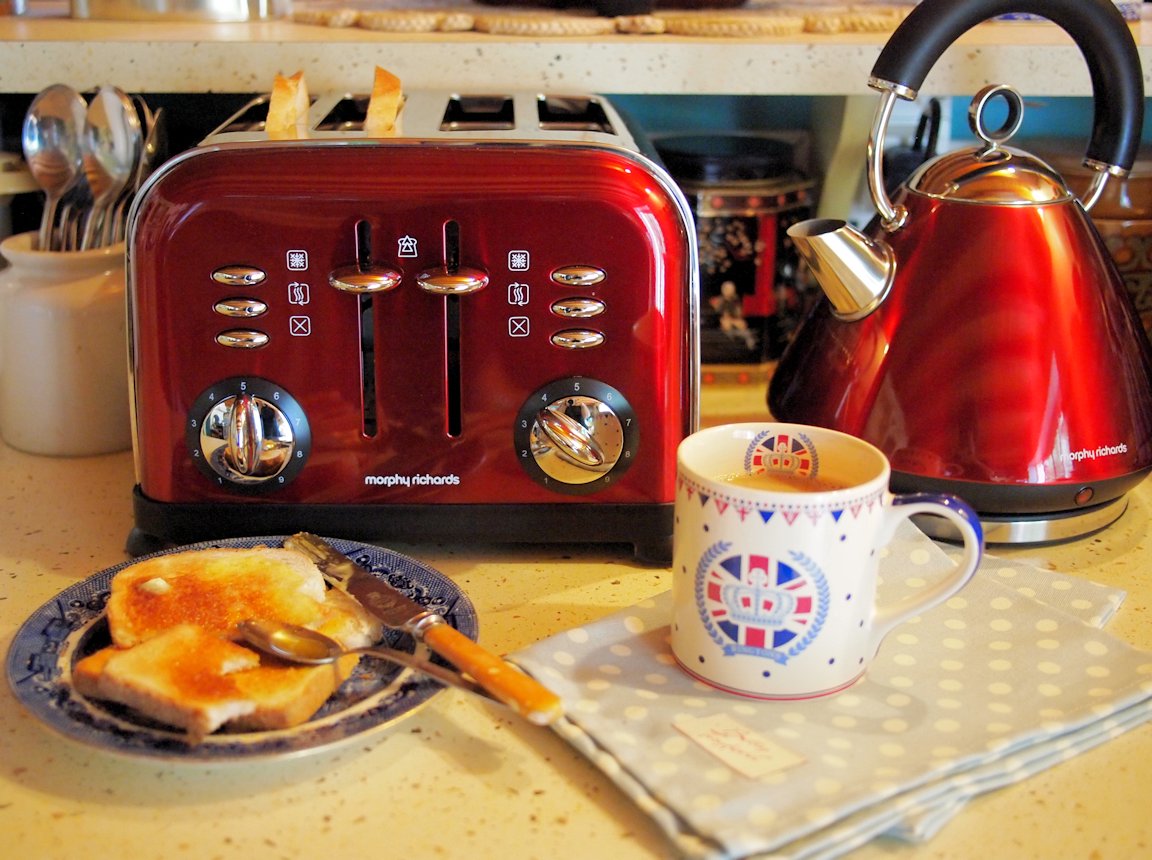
(853, 270)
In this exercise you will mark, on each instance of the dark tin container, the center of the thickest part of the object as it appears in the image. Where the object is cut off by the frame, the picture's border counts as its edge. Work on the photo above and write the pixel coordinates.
(745, 191)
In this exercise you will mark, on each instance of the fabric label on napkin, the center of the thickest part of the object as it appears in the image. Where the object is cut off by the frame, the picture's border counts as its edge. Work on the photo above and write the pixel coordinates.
(745, 751)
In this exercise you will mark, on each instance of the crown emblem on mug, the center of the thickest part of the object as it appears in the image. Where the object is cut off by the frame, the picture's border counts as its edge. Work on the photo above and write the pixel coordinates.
(783, 452)
(758, 605)
(781, 461)
(753, 604)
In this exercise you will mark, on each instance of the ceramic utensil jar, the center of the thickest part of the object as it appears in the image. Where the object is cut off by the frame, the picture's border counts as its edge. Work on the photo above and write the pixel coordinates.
(63, 358)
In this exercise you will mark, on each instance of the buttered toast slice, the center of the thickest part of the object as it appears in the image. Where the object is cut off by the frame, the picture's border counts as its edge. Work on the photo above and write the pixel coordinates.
(214, 589)
(172, 619)
(184, 677)
(193, 680)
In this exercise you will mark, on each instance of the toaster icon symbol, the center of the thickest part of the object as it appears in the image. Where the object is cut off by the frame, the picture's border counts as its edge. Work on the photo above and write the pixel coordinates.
(517, 294)
(406, 247)
(298, 293)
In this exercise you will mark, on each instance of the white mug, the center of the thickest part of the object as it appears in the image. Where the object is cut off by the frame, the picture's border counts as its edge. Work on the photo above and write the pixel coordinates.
(775, 562)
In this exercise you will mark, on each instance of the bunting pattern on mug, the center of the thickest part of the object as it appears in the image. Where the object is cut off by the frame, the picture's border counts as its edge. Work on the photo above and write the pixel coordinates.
(734, 504)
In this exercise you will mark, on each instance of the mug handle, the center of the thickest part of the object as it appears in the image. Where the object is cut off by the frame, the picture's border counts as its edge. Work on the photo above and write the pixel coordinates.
(961, 515)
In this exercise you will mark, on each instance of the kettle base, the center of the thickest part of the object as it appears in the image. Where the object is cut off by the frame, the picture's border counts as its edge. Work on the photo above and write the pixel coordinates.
(1039, 528)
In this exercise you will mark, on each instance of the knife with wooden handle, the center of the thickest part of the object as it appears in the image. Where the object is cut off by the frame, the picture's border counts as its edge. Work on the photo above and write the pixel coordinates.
(514, 688)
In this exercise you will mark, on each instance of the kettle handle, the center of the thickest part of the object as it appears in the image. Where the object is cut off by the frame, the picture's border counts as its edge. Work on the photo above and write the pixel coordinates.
(1096, 26)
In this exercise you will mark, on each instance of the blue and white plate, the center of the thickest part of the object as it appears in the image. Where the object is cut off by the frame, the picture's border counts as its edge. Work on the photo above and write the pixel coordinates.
(73, 625)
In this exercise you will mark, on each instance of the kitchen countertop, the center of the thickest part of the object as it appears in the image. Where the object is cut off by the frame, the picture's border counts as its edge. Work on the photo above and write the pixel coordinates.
(461, 777)
(177, 57)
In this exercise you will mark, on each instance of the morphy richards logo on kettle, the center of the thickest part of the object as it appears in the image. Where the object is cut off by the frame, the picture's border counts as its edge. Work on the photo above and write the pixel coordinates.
(1096, 453)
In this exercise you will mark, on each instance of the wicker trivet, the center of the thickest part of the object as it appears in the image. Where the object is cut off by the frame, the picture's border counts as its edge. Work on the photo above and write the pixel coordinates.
(731, 25)
(640, 25)
(782, 20)
(544, 24)
(326, 17)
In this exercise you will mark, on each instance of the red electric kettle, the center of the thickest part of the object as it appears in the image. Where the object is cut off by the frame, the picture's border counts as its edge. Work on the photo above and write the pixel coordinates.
(977, 330)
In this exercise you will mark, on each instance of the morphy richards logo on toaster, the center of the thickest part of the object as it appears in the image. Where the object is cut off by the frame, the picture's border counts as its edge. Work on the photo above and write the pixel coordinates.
(425, 480)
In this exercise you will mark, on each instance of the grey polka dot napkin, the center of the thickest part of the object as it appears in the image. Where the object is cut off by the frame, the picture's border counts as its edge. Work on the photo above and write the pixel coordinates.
(1009, 677)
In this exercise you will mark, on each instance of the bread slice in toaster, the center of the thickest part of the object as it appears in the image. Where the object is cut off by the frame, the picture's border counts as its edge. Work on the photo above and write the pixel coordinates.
(383, 106)
(288, 108)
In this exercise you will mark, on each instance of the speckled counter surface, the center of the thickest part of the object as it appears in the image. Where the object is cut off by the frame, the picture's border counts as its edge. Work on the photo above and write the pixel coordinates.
(461, 778)
(167, 57)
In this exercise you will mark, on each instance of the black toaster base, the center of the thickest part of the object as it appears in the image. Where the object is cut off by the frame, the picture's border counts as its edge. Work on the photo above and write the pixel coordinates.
(647, 527)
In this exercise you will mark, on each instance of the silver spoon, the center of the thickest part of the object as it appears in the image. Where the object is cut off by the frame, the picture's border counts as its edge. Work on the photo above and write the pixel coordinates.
(155, 140)
(52, 150)
(312, 648)
(112, 143)
(73, 211)
(155, 127)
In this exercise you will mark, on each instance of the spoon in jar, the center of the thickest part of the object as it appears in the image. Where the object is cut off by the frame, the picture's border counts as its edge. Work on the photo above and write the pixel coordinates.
(52, 150)
(152, 125)
(112, 142)
(309, 647)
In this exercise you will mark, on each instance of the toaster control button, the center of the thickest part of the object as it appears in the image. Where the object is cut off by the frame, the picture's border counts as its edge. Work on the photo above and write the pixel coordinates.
(242, 338)
(248, 434)
(458, 281)
(578, 338)
(241, 307)
(578, 276)
(578, 307)
(239, 276)
(576, 435)
(374, 279)
(569, 436)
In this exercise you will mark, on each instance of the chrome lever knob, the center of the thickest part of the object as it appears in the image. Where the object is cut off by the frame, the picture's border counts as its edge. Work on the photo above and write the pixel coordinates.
(572, 440)
(372, 279)
(245, 435)
(452, 279)
(247, 439)
(460, 281)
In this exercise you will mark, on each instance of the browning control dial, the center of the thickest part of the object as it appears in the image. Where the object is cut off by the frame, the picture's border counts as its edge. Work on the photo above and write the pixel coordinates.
(248, 433)
(576, 435)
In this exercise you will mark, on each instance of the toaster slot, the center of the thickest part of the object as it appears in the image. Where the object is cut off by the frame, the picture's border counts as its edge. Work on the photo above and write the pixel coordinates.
(367, 305)
(572, 113)
(452, 281)
(478, 113)
(452, 392)
(251, 117)
(346, 115)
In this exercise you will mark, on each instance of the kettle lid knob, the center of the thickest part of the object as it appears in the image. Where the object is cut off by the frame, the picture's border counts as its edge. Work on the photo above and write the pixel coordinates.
(978, 114)
(992, 173)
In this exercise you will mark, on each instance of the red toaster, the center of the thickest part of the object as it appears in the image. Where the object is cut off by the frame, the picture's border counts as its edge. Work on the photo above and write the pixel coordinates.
(483, 329)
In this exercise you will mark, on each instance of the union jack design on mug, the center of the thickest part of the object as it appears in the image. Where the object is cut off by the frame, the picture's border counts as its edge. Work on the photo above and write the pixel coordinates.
(753, 604)
(781, 452)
